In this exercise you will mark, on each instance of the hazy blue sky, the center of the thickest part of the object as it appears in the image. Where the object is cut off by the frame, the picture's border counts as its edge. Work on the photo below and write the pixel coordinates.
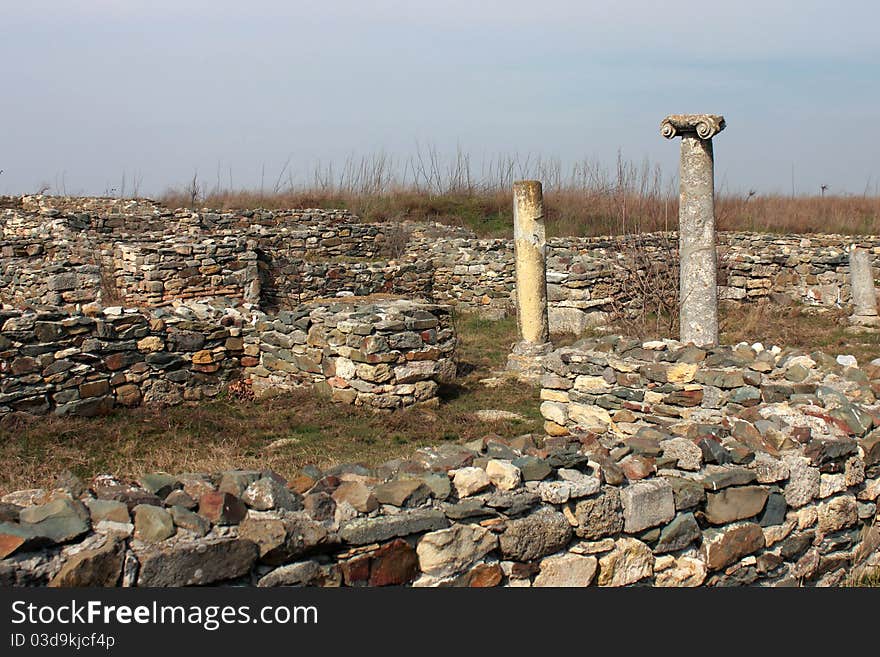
(161, 88)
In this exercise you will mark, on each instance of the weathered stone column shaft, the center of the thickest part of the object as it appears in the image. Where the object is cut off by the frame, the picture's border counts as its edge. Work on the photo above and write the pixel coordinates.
(698, 303)
(530, 247)
(864, 296)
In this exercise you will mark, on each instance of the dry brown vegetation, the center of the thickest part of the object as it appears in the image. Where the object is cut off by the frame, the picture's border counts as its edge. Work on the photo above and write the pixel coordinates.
(796, 326)
(866, 579)
(584, 200)
(806, 328)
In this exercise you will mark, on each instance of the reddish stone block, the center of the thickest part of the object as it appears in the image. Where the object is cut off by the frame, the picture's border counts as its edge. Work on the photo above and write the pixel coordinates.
(485, 575)
(637, 467)
(356, 572)
(9, 543)
(222, 508)
(394, 564)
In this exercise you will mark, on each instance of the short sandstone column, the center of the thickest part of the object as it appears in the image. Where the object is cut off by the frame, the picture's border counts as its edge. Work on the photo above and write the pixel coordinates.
(864, 297)
(530, 248)
(698, 292)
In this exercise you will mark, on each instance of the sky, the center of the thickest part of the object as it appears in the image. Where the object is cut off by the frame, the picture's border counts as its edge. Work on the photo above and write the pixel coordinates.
(156, 91)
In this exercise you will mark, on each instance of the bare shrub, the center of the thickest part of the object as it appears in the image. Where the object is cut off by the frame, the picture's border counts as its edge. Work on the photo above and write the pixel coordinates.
(241, 389)
(396, 240)
(194, 191)
(647, 298)
(111, 295)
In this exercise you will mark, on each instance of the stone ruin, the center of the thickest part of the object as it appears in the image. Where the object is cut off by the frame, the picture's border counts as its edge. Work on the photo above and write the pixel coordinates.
(383, 355)
(115, 304)
(663, 463)
(656, 481)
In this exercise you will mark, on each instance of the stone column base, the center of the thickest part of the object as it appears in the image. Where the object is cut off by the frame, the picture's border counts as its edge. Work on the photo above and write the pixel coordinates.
(863, 324)
(526, 360)
(865, 320)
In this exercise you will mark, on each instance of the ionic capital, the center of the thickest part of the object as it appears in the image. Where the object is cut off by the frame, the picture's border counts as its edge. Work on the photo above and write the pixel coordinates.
(705, 126)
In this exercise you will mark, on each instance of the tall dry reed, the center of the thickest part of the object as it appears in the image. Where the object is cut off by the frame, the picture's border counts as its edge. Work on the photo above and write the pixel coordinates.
(584, 198)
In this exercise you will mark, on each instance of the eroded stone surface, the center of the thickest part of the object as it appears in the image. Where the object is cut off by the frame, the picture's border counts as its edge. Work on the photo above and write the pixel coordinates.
(629, 562)
(567, 570)
(647, 504)
(450, 551)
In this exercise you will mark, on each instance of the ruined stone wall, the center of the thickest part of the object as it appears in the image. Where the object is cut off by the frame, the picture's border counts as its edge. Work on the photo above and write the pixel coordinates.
(584, 274)
(387, 354)
(622, 384)
(136, 252)
(85, 365)
(36, 272)
(151, 273)
(287, 283)
(104, 206)
(496, 512)
(384, 355)
(148, 256)
(760, 450)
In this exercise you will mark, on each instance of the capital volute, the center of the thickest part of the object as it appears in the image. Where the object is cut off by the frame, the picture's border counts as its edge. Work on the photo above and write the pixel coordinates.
(704, 126)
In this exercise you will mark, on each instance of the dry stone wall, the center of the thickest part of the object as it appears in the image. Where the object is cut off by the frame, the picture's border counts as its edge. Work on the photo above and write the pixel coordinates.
(70, 252)
(584, 274)
(152, 274)
(622, 385)
(148, 255)
(284, 283)
(145, 255)
(85, 365)
(494, 512)
(384, 355)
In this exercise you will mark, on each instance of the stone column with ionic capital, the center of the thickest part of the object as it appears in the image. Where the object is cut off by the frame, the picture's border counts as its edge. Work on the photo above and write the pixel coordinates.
(698, 292)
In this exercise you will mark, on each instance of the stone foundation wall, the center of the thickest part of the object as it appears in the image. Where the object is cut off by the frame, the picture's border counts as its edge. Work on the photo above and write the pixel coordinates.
(142, 254)
(31, 275)
(584, 278)
(285, 283)
(620, 385)
(152, 274)
(385, 355)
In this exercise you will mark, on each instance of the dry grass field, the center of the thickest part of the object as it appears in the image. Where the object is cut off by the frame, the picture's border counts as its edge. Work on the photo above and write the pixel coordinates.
(585, 199)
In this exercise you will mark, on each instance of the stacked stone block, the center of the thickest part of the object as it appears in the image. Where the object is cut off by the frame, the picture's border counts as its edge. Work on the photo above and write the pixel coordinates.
(76, 364)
